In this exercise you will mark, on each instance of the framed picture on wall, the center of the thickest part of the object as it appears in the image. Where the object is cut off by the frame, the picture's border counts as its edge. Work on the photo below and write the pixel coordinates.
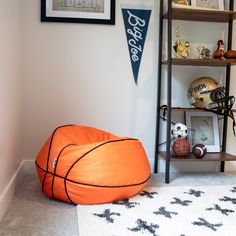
(204, 129)
(208, 4)
(78, 11)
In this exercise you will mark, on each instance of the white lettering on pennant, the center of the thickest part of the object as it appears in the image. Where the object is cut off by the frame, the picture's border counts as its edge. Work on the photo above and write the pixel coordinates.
(136, 32)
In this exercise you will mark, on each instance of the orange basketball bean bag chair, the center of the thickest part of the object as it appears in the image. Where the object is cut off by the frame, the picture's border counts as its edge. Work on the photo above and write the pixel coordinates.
(83, 165)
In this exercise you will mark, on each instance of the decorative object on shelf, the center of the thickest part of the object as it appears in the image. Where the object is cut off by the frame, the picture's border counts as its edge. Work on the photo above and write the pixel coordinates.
(204, 129)
(186, 53)
(181, 2)
(181, 147)
(230, 54)
(179, 131)
(206, 93)
(94, 12)
(181, 48)
(178, 5)
(208, 4)
(199, 91)
(219, 52)
(136, 23)
(199, 150)
(203, 52)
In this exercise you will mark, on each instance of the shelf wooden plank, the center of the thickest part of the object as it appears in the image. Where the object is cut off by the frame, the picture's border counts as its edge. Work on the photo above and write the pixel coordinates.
(190, 109)
(202, 62)
(183, 109)
(192, 14)
(219, 156)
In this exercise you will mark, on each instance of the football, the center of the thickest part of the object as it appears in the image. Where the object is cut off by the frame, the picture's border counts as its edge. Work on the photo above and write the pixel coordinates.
(179, 131)
(181, 147)
(199, 150)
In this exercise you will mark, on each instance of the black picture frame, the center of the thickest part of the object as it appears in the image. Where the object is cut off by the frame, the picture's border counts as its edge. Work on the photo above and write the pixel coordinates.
(48, 14)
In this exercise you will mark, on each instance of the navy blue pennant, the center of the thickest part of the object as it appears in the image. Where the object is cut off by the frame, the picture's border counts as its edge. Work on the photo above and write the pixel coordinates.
(136, 25)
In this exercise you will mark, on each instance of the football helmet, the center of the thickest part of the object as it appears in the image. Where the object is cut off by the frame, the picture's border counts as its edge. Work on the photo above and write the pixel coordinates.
(205, 92)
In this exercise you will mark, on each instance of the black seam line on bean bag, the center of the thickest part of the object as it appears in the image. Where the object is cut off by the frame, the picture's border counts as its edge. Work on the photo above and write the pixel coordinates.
(57, 160)
(93, 185)
(49, 151)
(85, 154)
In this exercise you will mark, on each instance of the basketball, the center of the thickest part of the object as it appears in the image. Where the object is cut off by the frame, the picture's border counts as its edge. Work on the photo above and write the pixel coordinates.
(199, 150)
(181, 147)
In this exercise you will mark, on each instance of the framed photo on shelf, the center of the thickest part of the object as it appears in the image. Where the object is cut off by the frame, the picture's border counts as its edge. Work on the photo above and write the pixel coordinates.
(209, 4)
(181, 2)
(203, 128)
(78, 11)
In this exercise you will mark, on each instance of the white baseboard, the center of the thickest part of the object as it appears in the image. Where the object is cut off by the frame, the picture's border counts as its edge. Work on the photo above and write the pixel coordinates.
(7, 195)
(28, 167)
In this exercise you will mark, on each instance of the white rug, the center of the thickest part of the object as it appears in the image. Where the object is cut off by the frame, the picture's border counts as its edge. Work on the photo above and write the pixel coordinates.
(164, 211)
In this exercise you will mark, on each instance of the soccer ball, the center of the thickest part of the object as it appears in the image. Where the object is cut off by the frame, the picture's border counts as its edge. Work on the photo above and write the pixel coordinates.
(179, 130)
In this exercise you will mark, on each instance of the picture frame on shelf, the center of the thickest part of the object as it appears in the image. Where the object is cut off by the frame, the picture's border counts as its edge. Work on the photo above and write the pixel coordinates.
(203, 128)
(208, 4)
(78, 11)
(181, 3)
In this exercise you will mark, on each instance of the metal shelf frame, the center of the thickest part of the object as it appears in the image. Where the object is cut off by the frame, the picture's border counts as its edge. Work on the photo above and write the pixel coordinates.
(170, 15)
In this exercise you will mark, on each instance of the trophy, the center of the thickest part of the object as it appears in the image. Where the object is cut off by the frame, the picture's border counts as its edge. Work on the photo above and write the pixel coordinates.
(181, 48)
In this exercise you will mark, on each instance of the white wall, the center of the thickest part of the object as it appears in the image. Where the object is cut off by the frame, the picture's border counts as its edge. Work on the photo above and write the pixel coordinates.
(81, 74)
(10, 93)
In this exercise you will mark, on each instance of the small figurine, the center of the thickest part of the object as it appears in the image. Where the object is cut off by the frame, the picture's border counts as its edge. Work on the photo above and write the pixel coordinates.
(199, 51)
(187, 50)
(219, 52)
(181, 48)
(206, 53)
(203, 52)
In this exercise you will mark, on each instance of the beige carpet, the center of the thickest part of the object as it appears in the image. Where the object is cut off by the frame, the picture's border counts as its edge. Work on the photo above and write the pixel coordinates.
(33, 214)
